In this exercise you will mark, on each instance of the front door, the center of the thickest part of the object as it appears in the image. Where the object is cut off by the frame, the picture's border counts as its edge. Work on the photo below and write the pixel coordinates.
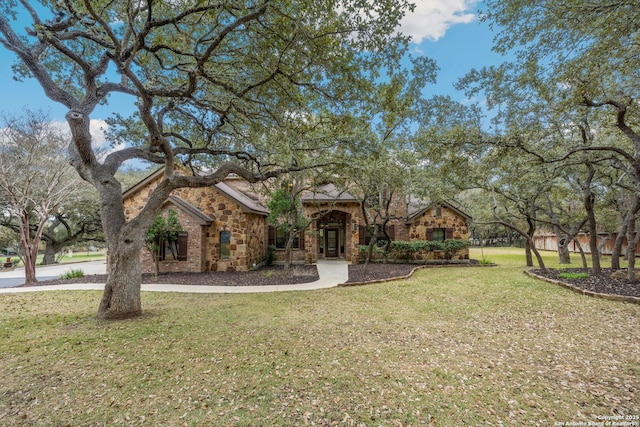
(332, 242)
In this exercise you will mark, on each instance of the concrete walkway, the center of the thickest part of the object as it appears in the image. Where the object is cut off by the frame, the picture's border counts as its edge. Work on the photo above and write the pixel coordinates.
(332, 273)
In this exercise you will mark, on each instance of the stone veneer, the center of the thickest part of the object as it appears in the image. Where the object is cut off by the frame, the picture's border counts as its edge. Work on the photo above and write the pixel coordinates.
(249, 234)
(248, 231)
(195, 254)
(448, 218)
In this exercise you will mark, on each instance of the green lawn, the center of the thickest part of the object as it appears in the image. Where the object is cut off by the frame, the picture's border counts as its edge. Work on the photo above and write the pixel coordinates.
(449, 347)
(77, 257)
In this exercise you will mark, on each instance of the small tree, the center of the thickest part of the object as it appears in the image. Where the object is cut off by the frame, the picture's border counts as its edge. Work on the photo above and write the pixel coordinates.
(163, 234)
(285, 212)
(35, 178)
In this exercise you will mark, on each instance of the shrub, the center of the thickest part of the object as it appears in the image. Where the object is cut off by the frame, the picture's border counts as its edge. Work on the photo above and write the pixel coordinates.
(72, 274)
(271, 256)
(400, 249)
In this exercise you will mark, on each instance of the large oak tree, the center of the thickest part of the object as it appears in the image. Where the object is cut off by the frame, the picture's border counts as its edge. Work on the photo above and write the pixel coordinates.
(213, 84)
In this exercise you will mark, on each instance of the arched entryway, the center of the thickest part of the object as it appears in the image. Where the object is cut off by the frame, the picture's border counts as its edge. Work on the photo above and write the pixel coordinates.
(334, 237)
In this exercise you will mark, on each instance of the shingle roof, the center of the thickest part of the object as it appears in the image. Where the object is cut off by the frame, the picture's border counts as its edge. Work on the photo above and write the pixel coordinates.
(247, 204)
(327, 193)
(415, 210)
(201, 217)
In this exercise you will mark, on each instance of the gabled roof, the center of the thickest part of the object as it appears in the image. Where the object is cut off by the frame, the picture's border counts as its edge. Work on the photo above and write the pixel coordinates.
(189, 209)
(327, 193)
(143, 182)
(416, 211)
(247, 204)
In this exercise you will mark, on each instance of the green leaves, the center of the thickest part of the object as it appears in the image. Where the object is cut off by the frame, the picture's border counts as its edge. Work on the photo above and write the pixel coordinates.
(163, 229)
(399, 249)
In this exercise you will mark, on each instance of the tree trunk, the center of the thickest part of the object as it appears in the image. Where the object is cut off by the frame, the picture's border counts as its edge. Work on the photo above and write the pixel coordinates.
(527, 251)
(583, 257)
(121, 297)
(49, 253)
(562, 238)
(617, 248)
(538, 258)
(564, 257)
(29, 268)
(287, 250)
(30, 248)
(588, 200)
(632, 241)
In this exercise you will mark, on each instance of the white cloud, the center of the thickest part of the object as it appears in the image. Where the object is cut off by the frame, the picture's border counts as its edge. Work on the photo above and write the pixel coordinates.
(98, 127)
(432, 18)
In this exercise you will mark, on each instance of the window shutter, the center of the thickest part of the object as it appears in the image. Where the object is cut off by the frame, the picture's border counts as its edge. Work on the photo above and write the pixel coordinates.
(391, 230)
(361, 235)
(429, 234)
(301, 240)
(183, 246)
(272, 236)
(448, 233)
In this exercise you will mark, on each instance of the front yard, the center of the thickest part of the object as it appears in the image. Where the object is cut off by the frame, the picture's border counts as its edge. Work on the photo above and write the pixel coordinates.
(449, 347)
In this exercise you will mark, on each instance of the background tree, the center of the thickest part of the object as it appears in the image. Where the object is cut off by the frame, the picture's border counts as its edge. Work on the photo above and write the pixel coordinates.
(210, 80)
(35, 178)
(75, 221)
(585, 55)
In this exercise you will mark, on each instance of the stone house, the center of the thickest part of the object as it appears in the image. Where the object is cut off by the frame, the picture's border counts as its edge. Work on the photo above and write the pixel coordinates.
(225, 227)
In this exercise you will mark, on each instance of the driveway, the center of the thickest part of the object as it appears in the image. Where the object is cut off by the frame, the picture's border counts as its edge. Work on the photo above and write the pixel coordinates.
(48, 272)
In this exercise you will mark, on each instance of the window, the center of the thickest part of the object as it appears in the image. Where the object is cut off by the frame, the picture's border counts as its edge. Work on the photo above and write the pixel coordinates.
(175, 249)
(278, 238)
(282, 234)
(438, 234)
(225, 244)
(366, 234)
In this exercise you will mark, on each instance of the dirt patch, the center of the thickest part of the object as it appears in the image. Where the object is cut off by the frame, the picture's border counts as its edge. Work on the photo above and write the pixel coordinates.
(604, 284)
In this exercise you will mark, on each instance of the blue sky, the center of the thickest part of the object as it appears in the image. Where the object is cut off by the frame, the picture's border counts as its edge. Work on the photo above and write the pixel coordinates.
(445, 30)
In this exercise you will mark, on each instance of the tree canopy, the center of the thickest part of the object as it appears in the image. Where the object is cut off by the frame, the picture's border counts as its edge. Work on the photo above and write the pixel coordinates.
(225, 87)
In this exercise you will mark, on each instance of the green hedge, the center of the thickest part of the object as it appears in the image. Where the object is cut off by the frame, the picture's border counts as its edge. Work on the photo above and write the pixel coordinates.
(407, 250)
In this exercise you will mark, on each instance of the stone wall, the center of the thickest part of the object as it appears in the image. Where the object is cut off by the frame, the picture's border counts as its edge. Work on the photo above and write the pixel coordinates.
(442, 217)
(195, 261)
(248, 231)
(352, 218)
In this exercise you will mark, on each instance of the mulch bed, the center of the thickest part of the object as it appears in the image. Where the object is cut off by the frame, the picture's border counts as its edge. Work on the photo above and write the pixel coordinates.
(274, 275)
(600, 285)
(360, 273)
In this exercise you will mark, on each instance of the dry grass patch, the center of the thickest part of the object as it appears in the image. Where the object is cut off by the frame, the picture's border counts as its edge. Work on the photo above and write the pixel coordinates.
(486, 346)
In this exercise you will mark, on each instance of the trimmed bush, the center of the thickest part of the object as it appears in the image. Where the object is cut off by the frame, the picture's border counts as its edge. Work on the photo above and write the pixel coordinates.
(409, 251)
